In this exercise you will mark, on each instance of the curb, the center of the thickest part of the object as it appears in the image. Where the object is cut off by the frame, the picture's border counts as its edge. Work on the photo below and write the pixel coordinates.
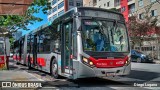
(156, 62)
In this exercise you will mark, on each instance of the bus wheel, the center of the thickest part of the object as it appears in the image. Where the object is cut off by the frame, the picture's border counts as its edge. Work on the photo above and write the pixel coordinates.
(54, 69)
(29, 63)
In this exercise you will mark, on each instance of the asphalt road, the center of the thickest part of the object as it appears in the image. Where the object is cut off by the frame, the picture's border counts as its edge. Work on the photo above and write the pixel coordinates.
(140, 73)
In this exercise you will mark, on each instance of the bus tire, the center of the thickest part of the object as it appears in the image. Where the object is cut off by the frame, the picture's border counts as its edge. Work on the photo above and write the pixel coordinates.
(29, 63)
(54, 68)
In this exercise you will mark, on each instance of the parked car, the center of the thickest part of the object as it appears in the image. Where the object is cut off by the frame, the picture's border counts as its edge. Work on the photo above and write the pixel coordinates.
(140, 57)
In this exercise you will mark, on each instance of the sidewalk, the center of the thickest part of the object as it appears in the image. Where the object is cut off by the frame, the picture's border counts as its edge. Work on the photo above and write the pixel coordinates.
(13, 75)
(156, 61)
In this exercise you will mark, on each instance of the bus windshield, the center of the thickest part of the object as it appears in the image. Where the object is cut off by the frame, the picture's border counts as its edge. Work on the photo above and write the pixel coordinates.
(103, 35)
(1, 49)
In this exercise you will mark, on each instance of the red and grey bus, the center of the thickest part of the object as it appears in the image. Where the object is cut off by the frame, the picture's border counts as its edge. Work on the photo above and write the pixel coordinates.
(20, 50)
(4, 53)
(83, 42)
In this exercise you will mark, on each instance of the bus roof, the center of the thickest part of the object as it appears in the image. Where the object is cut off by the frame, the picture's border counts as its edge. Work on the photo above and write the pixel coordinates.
(98, 9)
(80, 9)
(71, 12)
(38, 29)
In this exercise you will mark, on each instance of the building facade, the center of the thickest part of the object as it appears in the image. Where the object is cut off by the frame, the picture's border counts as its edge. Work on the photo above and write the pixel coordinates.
(153, 46)
(125, 6)
(61, 6)
(142, 5)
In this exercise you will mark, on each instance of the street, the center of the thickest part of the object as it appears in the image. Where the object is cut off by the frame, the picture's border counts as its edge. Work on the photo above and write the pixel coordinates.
(141, 73)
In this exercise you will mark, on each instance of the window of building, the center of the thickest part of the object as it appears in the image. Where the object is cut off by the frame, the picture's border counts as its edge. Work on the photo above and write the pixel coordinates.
(153, 1)
(140, 3)
(78, 4)
(131, 8)
(153, 12)
(108, 4)
(104, 5)
(71, 3)
(54, 16)
(49, 12)
(141, 16)
(117, 2)
(99, 6)
(60, 13)
(123, 9)
(61, 5)
(54, 9)
(54, 2)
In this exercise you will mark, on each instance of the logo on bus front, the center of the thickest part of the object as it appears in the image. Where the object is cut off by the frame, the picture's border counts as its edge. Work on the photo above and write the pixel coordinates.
(102, 64)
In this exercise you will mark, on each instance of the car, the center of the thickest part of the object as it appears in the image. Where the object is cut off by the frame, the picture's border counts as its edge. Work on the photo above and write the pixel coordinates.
(140, 57)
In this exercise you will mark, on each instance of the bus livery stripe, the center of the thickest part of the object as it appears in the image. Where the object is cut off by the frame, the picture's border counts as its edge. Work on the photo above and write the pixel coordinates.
(109, 63)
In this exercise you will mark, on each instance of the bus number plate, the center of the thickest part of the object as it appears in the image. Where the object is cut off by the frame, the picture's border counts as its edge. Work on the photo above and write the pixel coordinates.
(110, 74)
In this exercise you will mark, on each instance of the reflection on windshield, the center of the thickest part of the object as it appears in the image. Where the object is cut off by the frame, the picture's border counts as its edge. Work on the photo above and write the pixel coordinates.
(1, 49)
(104, 36)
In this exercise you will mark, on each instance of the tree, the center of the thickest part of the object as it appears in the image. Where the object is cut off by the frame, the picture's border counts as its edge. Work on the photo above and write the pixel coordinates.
(11, 23)
(142, 29)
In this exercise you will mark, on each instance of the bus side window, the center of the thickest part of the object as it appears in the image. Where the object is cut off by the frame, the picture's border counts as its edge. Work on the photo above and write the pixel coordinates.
(55, 36)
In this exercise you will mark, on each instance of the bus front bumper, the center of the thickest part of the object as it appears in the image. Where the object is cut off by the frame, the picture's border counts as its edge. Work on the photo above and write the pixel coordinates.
(86, 71)
(105, 72)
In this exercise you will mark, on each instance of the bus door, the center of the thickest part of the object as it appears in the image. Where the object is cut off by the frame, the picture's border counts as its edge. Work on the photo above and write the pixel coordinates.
(20, 50)
(67, 62)
(35, 50)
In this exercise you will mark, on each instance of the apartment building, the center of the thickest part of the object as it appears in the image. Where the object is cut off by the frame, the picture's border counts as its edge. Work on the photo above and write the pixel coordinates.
(61, 6)
(142, 5)
(125, 6)
(99, 3)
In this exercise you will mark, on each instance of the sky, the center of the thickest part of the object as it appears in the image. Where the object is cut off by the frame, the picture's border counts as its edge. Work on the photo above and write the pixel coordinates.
(36, 24)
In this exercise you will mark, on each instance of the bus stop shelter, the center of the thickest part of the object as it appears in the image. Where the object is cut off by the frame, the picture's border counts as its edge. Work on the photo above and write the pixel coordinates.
(14, 7)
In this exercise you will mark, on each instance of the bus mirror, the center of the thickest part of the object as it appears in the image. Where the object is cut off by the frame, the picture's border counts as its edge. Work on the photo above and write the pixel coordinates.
(7, 45)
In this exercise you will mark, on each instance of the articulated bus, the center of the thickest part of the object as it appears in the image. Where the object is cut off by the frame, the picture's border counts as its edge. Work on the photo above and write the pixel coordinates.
(4, 53)
(83, 42)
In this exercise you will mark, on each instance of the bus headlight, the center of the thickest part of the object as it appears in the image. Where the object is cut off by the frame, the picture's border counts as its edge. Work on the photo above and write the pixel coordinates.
(91, 63)
(128, 61)
(87, 62)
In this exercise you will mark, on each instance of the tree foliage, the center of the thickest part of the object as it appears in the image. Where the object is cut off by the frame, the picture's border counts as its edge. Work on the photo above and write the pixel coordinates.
(11, 23)
(143, 29)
